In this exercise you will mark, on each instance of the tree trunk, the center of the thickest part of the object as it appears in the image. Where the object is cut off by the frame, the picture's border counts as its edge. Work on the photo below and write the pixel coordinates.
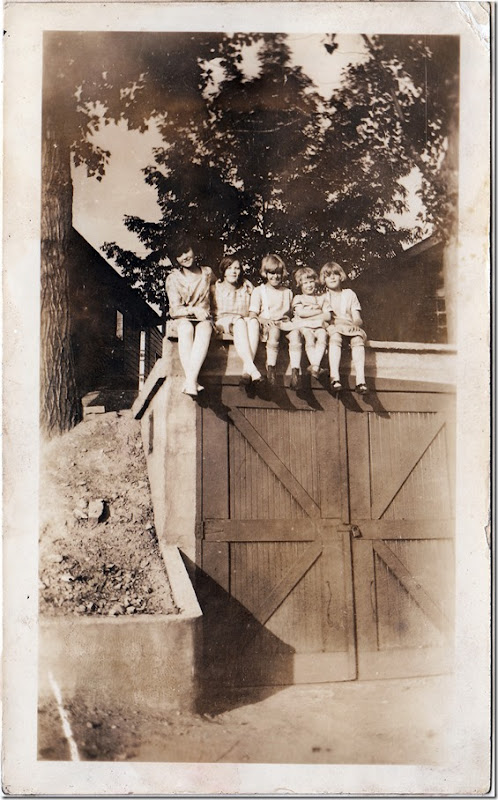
(59, 403)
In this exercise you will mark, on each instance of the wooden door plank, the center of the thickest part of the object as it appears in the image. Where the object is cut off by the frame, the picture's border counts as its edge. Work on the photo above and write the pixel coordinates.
(216, 562)
(333, 597)
(426, 603)
(364, 596)
(406, 528)
(214, 466)
(261, 530)
(410, 456)
(274, 463)
(329, 461)
(286, 584)
(451, 452)
(349, 604)
(344, 461)
(359, 465)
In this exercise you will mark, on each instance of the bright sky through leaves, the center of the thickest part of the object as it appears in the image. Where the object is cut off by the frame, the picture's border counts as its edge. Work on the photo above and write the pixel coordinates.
(99, 207)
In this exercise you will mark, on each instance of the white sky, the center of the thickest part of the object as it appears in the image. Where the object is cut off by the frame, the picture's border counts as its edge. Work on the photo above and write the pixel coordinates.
(99, 207)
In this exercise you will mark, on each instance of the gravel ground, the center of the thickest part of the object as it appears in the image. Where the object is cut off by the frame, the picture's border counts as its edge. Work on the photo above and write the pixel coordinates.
(405, 721)
(98, 548)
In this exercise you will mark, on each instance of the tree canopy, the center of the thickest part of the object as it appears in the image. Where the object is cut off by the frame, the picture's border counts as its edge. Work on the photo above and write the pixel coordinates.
(265, 163)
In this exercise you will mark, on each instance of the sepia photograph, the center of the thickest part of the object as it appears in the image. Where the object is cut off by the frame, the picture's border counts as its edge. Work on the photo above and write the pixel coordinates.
(248, 454)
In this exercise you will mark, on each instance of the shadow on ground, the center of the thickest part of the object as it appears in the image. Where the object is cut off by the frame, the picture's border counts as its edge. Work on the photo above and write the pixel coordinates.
(237, 660)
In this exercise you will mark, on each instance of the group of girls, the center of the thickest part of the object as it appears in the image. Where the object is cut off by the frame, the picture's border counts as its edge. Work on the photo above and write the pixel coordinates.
(321, 312)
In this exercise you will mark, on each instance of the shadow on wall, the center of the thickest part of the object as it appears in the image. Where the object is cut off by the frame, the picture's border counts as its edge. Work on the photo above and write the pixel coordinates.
(237, 660)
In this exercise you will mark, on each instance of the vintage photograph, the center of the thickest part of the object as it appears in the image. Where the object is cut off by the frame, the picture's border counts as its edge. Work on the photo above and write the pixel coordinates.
(247, 539)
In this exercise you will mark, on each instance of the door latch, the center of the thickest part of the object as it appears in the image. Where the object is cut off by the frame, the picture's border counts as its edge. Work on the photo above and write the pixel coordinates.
(355, 531)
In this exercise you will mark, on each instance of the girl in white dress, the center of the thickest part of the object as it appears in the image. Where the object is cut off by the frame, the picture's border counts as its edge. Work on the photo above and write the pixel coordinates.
(346, 325)
(311, 316)
(271, 305)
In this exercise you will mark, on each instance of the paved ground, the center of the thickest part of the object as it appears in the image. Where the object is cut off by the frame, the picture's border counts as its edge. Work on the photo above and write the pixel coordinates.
(401, 721)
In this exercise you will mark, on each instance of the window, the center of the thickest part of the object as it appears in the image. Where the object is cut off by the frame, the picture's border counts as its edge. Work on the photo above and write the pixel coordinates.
(141, 359)
(440, 312)
(119, 325)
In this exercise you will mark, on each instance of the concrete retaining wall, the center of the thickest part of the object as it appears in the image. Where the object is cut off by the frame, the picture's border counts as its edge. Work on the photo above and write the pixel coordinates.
(144, 659)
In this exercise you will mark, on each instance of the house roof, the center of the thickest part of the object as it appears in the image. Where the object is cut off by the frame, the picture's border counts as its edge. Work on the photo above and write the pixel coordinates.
(109, 276)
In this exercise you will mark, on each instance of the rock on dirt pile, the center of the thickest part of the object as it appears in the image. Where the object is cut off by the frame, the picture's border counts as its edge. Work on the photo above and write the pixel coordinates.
(98, 548)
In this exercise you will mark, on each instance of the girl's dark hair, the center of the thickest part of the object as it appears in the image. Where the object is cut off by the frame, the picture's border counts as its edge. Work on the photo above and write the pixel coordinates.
(226, 262)
(180, 246)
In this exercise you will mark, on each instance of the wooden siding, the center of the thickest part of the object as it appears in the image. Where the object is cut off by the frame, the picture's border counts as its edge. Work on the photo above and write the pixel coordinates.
(97, 292)
(153, 348)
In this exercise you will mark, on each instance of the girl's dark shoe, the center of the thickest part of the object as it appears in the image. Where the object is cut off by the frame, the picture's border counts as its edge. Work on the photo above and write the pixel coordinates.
(336, 386)
(295, 381)
(271, 376)
(361, 388)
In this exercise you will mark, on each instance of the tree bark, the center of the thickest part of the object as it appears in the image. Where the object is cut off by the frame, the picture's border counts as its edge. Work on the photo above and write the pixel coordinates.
(59, 402)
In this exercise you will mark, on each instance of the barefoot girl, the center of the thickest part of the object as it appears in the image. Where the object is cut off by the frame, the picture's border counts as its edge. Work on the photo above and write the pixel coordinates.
(188, 290)
(312, 317)
(231, 296)
(346, 324)
(271, 304)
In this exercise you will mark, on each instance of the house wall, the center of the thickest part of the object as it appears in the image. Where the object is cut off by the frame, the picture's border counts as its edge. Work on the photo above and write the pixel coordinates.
(97, 292)
(153, 348)
(402, 306)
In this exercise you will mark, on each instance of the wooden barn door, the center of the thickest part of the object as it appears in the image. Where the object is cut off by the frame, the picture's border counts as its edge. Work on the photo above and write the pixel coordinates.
(401, 457)
(272, 537)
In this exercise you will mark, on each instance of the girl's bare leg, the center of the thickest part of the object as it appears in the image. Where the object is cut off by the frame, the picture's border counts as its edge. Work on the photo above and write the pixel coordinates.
(309, 344)
(295, 349)
(253, 334)
(185, 341)
(200, 347)
(358, 356)
(193, 344)
(272, 346)
(243, 348)
(334, 360)
(320, 345)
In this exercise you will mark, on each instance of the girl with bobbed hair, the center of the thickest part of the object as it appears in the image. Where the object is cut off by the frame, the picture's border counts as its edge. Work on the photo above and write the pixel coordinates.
(346, 325)
(271, 304)
(231, 296)
(311, 316)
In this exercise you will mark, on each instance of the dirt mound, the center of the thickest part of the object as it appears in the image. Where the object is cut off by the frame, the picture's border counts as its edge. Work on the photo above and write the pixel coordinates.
(98, 548)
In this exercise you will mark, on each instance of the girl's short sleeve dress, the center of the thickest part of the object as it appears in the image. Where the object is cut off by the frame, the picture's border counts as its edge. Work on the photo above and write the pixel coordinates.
(230, 304)
(188, 293)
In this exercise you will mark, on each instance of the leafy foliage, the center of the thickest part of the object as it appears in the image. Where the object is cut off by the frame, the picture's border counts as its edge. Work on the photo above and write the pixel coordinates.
(265, 163)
